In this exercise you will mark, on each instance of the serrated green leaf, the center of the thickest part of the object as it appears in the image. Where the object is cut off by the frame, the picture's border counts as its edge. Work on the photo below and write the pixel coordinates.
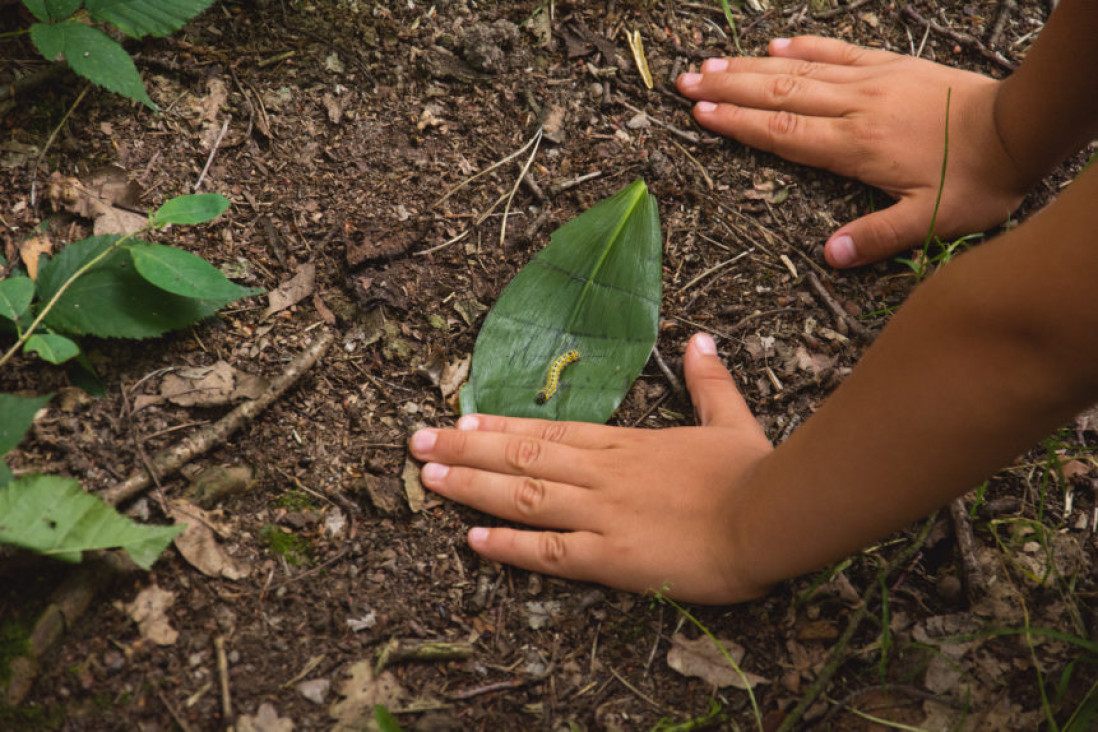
(51, 347)
(93, 55)
(193, 209)
(595, 288)
(16, 416)
(54, 516)
(137, 18)
(183, 273)
(112, 300)
(38, 9)
(61, 9)
(5, 474)
(16, 294)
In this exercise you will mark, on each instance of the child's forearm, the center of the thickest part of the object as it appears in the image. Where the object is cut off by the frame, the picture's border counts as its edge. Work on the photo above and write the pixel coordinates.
(986, 357)
(1048, 108)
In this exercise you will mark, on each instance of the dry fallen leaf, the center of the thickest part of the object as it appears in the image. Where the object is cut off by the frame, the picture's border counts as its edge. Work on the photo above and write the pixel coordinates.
(292, 291)
(199, 546)
(265, 720)
(210, 386)
(413, 489)
(148, 609)
(108, 197)
(359, 695)
(454, 375)
(703, 659)
(31, 248)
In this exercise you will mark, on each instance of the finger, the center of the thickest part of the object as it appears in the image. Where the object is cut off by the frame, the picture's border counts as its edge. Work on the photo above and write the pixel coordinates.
(828, 51)
(502, 453)
(577, 555)
(775, 65)
(879, 235)
(768, 92)
(577, 434)
(516, 498)
(716, 399)
(812, 141)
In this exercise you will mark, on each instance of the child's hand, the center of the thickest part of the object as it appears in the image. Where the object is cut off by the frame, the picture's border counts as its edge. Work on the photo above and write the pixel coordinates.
(875, 116)
(639, 510)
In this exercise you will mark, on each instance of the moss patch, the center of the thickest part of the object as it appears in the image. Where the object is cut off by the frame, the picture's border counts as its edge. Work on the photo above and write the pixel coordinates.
(291, 547)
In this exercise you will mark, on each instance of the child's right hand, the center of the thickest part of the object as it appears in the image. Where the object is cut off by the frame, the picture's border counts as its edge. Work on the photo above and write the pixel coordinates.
(875, 116)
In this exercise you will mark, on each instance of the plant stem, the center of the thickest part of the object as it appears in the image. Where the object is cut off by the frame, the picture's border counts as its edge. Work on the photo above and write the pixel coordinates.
(732, 24)
(61, 291)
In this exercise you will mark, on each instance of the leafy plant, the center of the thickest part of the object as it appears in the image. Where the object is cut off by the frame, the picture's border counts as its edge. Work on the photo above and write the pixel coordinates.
(595, 289)
(63, 32)
(106, 286)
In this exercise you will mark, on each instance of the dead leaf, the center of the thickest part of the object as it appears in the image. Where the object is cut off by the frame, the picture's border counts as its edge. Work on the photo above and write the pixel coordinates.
(200, 547)
(218, 482)
(384, 492)
(210, 386)
(108, 197)
(265, 720)
(208, 106)
(413, 489)
(359, 695)
(293, 290)
(334, 106)
(31, 249)
(454, 375)
(148, 609)
(702, 658)
(815, 364)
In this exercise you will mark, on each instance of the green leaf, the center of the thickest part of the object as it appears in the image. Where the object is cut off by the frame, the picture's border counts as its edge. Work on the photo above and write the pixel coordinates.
(16, 294)
(595, 288)
(16, 416)
(137, 18)
(52, 348)
(386, 722)
(61, 9)
(93, 55)
(38, 9)
(183, 273)
(5, 474)
(54, 516)
(112, 300)
(193, 209)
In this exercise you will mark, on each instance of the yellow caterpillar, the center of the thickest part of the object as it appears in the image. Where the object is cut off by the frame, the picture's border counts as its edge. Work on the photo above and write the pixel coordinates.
(552, 381)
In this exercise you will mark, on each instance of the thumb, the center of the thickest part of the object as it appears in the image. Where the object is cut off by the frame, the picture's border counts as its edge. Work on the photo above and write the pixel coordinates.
(879, 235)
(716, 399)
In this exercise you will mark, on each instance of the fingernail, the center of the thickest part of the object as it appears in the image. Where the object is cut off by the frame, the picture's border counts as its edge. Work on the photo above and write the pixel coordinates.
(715, 65)
(841, 249)
(468, 423)
(424, 440)
(705, 106)
(434, 472)
(780, 43)
(705, 344)
(690, 79)
(478, 537)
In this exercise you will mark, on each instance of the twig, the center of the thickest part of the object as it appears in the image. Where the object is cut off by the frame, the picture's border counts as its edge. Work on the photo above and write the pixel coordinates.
(846, 701)
(223, 676)
(487, 689)
(672, 379)
(644, 697)
(714, 268)
(691, 137)
(171, 710)
(704, 172)
(443, 245)
(52, 137)
(487, 170)
(1000, 23)
(838, 653)
(564, 186)
(213, 152)
(961, 38)
(834, 12)
(843, 317)
(975, 584)
(514, 189)
(398, 650)
(171, 459)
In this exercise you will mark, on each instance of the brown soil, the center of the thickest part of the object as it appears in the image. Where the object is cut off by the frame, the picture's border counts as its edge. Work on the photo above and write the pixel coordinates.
(349, 120)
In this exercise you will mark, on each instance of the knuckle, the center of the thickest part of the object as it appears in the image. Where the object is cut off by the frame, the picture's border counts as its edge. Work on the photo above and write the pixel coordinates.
(529, 496)
(551, 549)
(806, 68)
(783, 87)
(782, 124)
(851, 54)
(554, 432)
(522, 453)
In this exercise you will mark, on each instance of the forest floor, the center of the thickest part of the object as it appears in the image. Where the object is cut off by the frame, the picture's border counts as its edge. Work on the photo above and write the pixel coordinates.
(336, 128)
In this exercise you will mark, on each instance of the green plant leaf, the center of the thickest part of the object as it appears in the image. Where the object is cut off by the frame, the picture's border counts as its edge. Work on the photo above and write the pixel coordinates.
(112, 300)
(192, 209)
(16, 294)
(5, 474)
(137, 18)
(595, 288)
(54, 516)
(16, 416)
(51, 347)
(183, 273)
(93, 55)
(61, 9)
(386, 722)
(38, 9)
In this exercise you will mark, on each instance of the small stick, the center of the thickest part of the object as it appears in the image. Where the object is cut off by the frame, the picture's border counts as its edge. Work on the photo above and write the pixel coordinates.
(487, 689)
(838, 310)
(406, 649)
(704, 172)
(223, 675)
(213, 152)
(961, 38)
(1000, 22)
(561, 187)
(171, 459)
(672, 379)
(52, 137)
(514, 189)
(691, 137)
(644, 697)
(487, 170)
(714, 268)
(975, 584)
(825, 14)
(171, 710)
